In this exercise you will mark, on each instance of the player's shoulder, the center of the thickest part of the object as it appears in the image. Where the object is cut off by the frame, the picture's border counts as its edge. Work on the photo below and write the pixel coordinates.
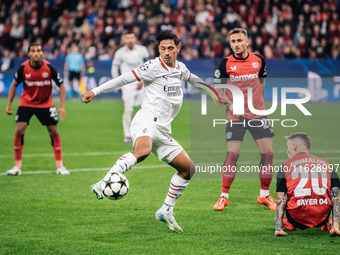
(256, 56)
(149, 65)
(181, 65)
(140, 47)
(45, 62)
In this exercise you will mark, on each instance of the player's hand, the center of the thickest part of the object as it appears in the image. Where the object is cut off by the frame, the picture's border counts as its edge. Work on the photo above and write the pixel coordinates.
(242, 116)
(87, 97)
(140, 85)
(9, 110)
(226, 101)
(334, 232)
(61, 110)
(280, 233)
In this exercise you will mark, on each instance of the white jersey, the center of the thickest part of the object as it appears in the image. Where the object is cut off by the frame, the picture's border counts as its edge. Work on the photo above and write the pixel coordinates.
(163, 95)
(127, 59)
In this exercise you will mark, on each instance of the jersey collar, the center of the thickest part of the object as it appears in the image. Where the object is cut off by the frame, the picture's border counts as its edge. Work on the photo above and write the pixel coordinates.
(241, 58)
(166, 66)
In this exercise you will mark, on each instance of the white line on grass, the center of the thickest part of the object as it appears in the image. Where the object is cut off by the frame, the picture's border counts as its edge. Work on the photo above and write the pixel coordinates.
(75, 154)
(88, 169)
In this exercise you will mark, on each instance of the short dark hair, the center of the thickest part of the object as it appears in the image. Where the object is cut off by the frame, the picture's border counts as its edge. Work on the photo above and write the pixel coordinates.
(303, 136)
(238, 30)
(129, 32)
(33, 44)
(167, 35)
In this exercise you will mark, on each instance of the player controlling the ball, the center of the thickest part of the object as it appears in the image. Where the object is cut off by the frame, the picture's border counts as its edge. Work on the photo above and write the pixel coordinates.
(150, 128)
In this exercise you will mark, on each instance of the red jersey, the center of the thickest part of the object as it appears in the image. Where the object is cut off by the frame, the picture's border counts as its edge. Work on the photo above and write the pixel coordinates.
(307, 180)
(37, 84)
(244, 73)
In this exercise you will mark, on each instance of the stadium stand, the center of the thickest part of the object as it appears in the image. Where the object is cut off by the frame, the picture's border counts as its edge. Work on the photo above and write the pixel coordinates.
(279, 29)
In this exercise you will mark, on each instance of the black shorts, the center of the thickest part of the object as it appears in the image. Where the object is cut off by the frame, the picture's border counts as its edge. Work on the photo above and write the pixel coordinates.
(73, 75)
(46, 116)
(302, 226)
(259, 128)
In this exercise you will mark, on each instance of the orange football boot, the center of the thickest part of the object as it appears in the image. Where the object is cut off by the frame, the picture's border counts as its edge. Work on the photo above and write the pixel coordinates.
(267, 201)
(221, 204)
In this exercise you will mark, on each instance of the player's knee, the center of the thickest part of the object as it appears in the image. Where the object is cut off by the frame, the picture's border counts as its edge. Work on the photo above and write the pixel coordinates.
(142, 153)
(20, 131)
(52, 131)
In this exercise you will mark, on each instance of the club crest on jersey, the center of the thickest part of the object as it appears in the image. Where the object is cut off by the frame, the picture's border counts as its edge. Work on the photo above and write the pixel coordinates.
(233, 68)
(44, 74)
(255, 64)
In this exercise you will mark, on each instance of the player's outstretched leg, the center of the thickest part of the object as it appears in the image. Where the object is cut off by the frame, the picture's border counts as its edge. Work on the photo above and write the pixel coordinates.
(178, 183)
(228, 177)
(122, 165)
(142, 149)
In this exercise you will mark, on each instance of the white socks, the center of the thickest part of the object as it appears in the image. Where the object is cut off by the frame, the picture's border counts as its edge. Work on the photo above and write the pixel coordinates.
(226, 195)
(264, 193)
(123, 164)
(177, 186)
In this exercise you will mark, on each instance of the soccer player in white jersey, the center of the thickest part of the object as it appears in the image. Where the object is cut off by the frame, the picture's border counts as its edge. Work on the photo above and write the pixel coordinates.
(150, 128)
(130, 56)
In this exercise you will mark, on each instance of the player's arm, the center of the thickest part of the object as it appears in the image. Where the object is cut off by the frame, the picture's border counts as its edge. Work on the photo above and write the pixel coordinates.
(220, 77)
(336, 211)
(281, 189)
(110, 85)
(263, 84)
(335, 184)
(11, 95)
(60, 83)
(262, 73)
(18, 78)
(280, 209)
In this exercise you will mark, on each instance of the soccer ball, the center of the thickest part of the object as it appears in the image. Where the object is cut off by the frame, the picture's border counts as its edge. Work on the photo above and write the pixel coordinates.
(115, 187)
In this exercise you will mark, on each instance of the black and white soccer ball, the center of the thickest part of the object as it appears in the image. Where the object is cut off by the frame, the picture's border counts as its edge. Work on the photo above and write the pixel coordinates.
(115, 187)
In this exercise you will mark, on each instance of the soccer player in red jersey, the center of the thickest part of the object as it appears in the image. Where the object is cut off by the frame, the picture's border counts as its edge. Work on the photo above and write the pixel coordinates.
(36, 75)
(307, 189)
(245, 70)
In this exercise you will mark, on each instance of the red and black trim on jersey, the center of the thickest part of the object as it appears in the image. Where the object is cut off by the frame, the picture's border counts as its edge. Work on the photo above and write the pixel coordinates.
(225, 69)
(37, 83)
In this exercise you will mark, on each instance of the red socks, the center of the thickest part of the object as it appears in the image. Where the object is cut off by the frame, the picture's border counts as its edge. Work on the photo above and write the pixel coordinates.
(56, 146)
(18, 146)
(266, 170)
(229, 171)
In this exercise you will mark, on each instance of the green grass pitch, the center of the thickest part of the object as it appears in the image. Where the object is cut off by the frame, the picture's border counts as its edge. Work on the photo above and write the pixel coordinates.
(43, 213)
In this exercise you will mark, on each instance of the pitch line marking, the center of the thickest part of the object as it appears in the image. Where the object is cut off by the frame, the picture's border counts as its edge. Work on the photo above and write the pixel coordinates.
(74, 154)
(88, 169)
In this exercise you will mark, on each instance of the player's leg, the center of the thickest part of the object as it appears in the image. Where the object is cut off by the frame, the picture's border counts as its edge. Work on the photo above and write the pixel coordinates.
(70, 85)
(128, 97)
(18, 147)
(262, 133)
(22, 118)
(49, 118)
(168, 150)
(142, 149)
(57, 149)
(234, 134)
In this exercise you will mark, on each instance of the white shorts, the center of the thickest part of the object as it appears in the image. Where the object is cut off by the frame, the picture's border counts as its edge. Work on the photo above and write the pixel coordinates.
(164, 146)
(131, 96)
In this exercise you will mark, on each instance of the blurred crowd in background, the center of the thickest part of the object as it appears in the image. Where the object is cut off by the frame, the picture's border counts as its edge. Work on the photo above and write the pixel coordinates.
(278, 29)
